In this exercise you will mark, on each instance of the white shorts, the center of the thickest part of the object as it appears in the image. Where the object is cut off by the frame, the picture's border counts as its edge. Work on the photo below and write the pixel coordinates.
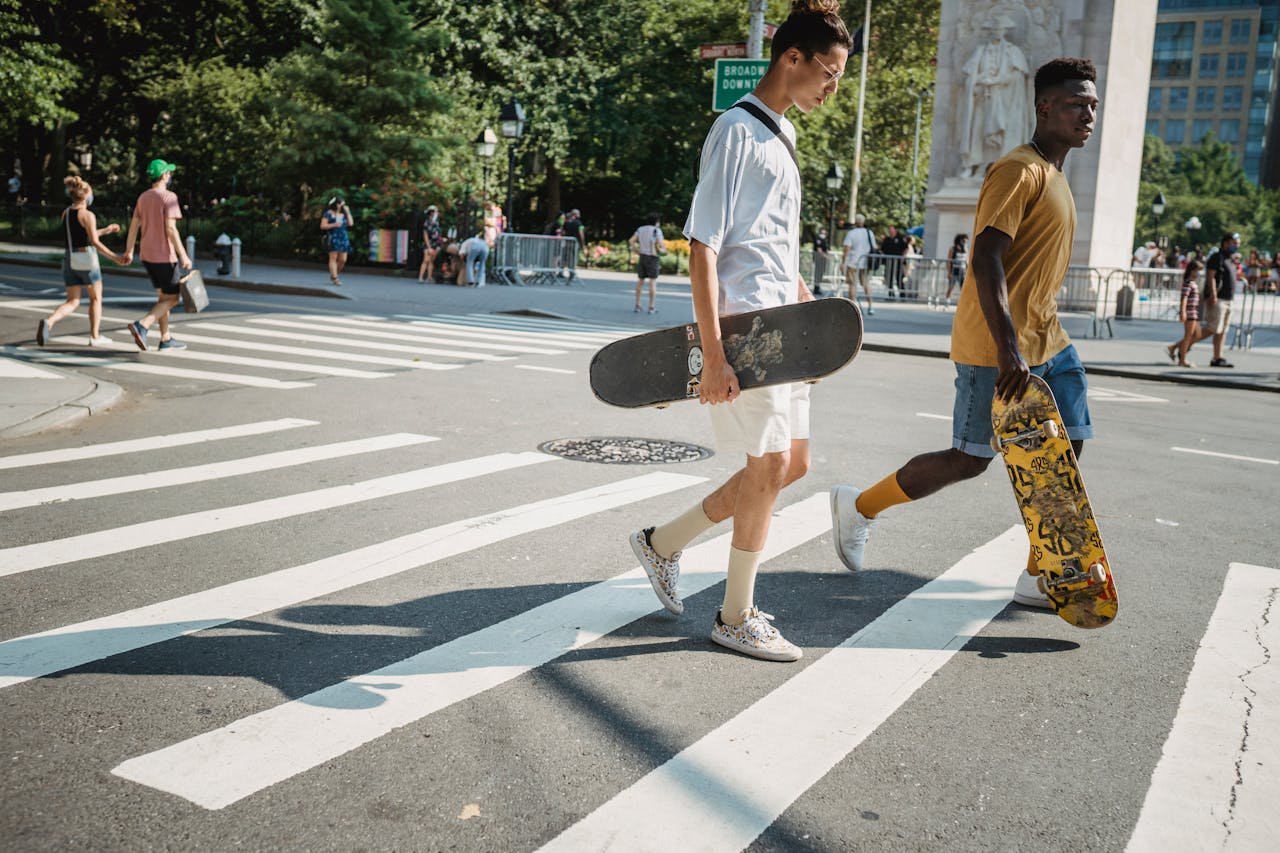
(762, 420)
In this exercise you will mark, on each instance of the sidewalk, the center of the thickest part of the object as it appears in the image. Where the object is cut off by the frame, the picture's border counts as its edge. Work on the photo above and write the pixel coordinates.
(1136, 350)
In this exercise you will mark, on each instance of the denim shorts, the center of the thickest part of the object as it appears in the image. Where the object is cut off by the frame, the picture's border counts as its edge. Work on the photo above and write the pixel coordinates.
(976, 386)
(79, 278)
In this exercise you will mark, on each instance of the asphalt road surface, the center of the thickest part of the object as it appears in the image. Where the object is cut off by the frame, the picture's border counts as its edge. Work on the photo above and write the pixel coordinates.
(313, 586)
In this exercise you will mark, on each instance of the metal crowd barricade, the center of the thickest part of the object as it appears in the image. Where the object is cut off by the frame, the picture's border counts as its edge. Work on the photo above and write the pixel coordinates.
(1259, 311)
(521, 259)
(1086, 291)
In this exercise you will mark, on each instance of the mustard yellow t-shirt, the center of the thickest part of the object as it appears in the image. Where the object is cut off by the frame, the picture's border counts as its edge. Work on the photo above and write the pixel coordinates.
(1028, 199)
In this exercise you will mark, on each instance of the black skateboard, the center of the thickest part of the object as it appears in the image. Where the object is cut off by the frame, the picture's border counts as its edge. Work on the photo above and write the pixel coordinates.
(801, 342)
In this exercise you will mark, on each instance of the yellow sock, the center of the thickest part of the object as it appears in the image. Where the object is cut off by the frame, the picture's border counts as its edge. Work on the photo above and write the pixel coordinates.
(679, 532)
(881, 496)
(739, 585)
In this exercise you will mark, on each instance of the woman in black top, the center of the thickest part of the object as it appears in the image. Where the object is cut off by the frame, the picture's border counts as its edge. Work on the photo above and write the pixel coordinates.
(80, 268)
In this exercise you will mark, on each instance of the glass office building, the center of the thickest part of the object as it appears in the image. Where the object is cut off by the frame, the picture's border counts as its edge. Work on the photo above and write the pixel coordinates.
(1214, 68)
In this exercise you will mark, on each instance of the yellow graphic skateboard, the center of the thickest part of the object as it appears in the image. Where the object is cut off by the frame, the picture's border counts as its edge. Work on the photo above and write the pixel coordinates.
(1074, 571)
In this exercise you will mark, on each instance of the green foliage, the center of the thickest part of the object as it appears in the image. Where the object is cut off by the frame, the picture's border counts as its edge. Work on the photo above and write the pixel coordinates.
(33, 74)
(355, 98)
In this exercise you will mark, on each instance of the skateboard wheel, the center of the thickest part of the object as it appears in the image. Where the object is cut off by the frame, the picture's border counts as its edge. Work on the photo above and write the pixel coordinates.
(1042, 585)
(1050, 429)
(995, 443)
(1098, 572)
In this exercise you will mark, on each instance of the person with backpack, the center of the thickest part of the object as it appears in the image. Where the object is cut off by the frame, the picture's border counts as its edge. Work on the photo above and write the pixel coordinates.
(859, 245)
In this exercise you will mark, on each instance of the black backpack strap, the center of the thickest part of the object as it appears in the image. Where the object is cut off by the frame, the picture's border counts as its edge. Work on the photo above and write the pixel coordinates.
(767, 121)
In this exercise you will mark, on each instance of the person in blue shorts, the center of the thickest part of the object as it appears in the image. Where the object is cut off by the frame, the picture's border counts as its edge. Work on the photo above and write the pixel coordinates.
(1006, 326)
(335, 222)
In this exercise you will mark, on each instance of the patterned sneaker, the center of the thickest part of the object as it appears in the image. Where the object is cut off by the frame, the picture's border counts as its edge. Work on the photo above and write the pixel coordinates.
(1027, 592)
(851, 527)
(172, 344)
(755, 637)
(663, 573)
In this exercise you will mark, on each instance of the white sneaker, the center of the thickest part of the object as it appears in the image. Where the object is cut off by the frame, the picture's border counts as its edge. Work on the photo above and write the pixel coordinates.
(664, 573)
(755, 637)
(850, 526)
(1027, 592)
(99, 342)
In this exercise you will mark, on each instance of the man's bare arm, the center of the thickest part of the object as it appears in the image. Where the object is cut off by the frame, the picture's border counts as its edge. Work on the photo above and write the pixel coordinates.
(719, 383)
(989, 249)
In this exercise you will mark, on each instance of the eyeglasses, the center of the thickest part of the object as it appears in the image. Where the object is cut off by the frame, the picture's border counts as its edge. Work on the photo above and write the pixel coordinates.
(832, 74)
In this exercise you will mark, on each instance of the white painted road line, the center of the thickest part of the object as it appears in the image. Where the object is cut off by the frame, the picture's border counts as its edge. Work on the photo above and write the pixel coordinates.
(472, 333)
(145, 445)
(335, 340)
(209, 471)
(330, 354)
(544, 369)
(410, 332)
(935, 417)
(173, 372)
(12, 368)
(729, 786)
(36, 655)
(222, 766)
(274, 364)
(1226, 456)
(1216, 783)
(571, 331)
(351, 338)
(116, 540)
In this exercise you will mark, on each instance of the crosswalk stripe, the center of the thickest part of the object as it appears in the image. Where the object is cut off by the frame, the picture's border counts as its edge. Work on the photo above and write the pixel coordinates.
(164, 370)
(332, 355)
(210, 471)
(219, 767)
(410, 332)
(363, 334)
(455, 331)
(729, 786)
(547, 323)
(36, 655)
(157, 442)
(25, 558)
(11, 368)
(1216, 782)
(1226, 455)
(249, 361)
(582, 336)
(285, 334)
(544, 369)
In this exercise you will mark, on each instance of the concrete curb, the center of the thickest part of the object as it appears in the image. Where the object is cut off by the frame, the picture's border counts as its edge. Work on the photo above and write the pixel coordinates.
(233, 284)
(103, 396)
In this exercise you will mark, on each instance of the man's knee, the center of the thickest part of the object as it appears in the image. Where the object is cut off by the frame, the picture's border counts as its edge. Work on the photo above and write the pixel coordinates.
(797, 468)
(771, 469)
(966, 466)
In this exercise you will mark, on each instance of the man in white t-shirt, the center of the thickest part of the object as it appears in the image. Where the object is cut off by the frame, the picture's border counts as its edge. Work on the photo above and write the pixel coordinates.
(744, 254)
(859, 243)
(647, 242)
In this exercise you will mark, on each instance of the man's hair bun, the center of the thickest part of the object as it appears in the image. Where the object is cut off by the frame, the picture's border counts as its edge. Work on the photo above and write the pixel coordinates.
(815, 7)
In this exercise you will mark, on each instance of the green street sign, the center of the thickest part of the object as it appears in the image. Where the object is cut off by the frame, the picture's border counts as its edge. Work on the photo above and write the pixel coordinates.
(735, 78)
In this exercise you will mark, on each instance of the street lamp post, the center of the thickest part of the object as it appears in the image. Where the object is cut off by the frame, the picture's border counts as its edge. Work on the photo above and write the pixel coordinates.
(486, 143)
(1157, 210)
(834, 177)
(915, 156)
(1192, 225)
(512, 120)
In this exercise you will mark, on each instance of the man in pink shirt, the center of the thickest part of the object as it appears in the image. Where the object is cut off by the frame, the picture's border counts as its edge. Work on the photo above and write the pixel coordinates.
(156, 214)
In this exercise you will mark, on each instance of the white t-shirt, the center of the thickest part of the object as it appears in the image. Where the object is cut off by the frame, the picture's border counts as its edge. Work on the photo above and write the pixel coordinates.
(1142, 256)
(649, 240)
(747, 209)
(859, 242)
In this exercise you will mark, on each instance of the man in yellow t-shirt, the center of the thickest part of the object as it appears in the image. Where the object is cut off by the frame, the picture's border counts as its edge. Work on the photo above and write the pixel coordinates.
(1006, 326)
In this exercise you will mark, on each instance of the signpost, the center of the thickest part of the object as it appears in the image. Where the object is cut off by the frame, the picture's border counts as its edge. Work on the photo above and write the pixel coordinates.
(735, 78)
(734, 50)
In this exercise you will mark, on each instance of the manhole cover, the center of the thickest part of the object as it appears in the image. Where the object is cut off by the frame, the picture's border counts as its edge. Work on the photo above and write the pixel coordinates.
(625, 451)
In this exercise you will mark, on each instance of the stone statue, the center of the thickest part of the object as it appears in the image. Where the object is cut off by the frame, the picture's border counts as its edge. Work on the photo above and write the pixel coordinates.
(997, 95)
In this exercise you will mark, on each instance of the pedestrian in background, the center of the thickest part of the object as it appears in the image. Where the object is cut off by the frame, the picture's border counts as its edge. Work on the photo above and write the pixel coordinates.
(474, 252)
(335, 222)
(859, 244)
(647, 242)
(432, 240)
(893, 247)
(80, 267)
(1189, 315)
(155, 216)
(958, 257)
(574, 228)
(494, 224)
(821, 255)
(1220, 275)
